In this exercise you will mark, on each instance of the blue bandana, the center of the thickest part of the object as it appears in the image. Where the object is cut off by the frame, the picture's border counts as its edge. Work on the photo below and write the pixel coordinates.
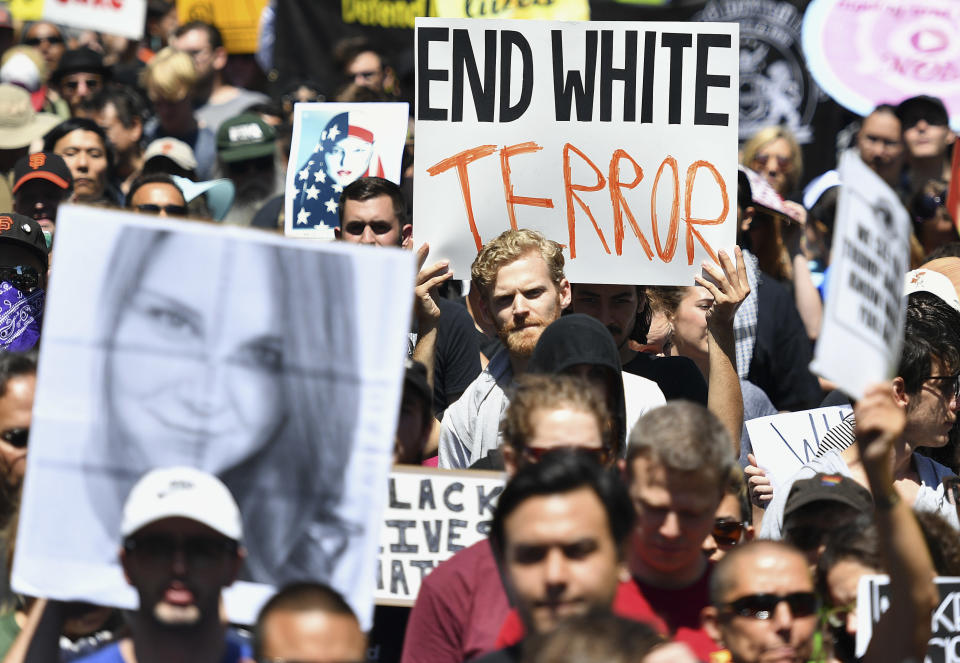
(20, 318)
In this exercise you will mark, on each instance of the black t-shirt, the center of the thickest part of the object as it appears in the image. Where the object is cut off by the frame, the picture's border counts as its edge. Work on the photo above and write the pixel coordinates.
(677, 377)
(457, 360)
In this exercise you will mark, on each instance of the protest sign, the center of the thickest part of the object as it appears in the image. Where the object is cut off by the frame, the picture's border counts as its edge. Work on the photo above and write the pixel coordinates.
(116, 17)
(873, 599)
(431, 514)
(866, 53)
(333, 145)
(558, 10)
(864, 313)
(783, 443)
(237, 20)
(618, 140)
(275, 365)
(26, 10)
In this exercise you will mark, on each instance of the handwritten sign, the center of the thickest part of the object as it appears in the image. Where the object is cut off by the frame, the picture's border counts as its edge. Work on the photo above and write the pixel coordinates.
(618, 140)
(873, 599)
(865, 311)
(116, 17)
(431, 515)
(867, 53)
(783, 443)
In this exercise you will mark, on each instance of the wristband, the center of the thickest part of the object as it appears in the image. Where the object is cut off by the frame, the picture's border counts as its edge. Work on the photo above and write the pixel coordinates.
(886, 501)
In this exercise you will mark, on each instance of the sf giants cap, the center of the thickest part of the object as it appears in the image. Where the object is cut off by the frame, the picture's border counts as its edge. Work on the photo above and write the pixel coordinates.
(25, 232)
(181, 492)
(44, 166)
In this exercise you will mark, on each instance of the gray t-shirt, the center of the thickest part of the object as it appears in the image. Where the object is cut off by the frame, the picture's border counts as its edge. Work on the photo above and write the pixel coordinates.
(213, 115)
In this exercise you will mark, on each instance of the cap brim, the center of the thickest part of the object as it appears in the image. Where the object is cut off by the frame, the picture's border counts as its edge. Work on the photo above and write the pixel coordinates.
(42, 175)
(16, 137)
(246, 152)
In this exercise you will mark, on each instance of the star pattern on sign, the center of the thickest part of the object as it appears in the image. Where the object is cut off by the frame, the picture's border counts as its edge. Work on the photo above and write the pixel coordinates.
(338, 188)
(333, 132)
(303, 173)
(303, 217)
(312, 192)
(331, 205)
(320, 176)
(323, 135)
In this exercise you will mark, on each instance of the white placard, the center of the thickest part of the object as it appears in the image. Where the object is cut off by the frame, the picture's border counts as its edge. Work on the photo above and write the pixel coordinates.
(616, 139)
(332, 146)
(431, 514)
(273, 363)
(116, 17)
(783, 443)
(865, 311)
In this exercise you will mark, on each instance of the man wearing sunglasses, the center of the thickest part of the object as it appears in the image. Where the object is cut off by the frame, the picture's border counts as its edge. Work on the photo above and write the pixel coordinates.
(156, 194)
(926, 132)
(80, 75)
(182, 534)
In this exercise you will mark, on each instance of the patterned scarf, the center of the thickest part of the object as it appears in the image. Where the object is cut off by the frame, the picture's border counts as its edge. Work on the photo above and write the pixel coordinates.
(20, 318)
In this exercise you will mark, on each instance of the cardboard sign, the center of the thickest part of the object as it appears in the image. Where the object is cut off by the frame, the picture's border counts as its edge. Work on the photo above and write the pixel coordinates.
(237, 20)
(866, 53)
(873, 599)
(274, 364)
(557, 10)
(618, 140)
(116, 17)
(27, 10)
(334, 145)
(783, 443)
(431, 514)
(864, 313)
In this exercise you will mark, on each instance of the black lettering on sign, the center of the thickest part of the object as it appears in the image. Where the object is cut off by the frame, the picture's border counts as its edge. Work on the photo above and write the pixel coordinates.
(566, 85)
(464, 59)
(397, 578)
(484, 527)
(432, 535)
(401, 546)
(426, 494)
(425, 74)
(394, 502)
(704, 80)
(676, 42)
(455, 487)
(486, 501)
(649, 59)
(608, 74)
(510, 39)
(424, 565)
(453, 535)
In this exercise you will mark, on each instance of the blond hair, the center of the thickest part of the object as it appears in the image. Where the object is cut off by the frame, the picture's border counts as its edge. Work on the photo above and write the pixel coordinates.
(512, 245)
(764, 137)
(170, 75)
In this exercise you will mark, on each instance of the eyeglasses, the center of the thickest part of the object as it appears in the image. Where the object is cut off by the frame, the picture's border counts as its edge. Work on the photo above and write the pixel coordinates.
(727, 532)
(16, 437)
(784, 163)
(171, 210)
(91, 83)
(536, 454)
(925, 207)
(36, 41)
(762, 606)
(197, 551)
(22, 277)
(949, 386)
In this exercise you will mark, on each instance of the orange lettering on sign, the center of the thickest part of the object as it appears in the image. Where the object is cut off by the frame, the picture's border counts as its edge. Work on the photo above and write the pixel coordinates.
(508, 193)
(460, 161)
(6, 223)
(570, 190)
(666, 253)
(36, 160)
(620, 204)
(691, 222)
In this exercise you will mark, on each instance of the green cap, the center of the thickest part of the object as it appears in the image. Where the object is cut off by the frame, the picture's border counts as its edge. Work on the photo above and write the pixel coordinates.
(244, 137)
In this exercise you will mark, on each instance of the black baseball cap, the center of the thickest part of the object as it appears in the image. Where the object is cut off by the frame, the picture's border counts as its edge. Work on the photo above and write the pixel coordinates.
(25, 232)
(828, 488)
(922, 107)
(43, 166)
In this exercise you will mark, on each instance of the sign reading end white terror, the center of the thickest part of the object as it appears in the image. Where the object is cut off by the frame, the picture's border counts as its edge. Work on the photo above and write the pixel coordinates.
(864, 313)
(618, 140)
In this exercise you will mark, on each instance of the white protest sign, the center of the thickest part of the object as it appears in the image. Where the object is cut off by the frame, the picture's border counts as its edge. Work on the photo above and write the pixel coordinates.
(616, 139)
(783, 443)
(431, 514)
(334, 145)
(863, 320)
(873, 599)
(274, 364)
(125, 18)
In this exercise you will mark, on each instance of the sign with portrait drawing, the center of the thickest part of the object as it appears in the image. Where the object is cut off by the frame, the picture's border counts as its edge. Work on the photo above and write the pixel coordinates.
(616, 139)
(274, 364)
(334, 145)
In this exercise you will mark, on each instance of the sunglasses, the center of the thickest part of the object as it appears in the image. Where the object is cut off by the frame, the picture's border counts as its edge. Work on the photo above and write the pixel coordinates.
(782, 162)
(949, 386)
(925, 207)
(16, 437)
(22, 277)
(197, 551)
(170, 210)
(536, 454)
(36, 41)
(92, 83)
(728, 532)
(762, 606)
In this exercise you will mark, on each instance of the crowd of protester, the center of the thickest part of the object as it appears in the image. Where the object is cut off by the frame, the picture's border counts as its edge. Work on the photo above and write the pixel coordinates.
(617, 412)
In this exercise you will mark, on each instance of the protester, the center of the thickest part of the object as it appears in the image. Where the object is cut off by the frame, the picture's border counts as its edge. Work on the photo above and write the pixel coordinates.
(246, 153)
(171, 157)
(732, 525)
(365, 65)
(121, 111)
(156, 194)
(23, 281)
(20, 126)
(928, 137)
(41, 182)
(86, 150)
(415, 422)
(880, 143)
(79, 75)
(48, 38)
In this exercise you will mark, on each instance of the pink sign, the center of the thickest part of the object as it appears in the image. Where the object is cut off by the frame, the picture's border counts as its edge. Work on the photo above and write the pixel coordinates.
(867, 52)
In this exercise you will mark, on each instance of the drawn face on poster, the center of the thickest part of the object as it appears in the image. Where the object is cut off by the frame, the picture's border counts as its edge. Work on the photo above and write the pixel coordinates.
(217, 354)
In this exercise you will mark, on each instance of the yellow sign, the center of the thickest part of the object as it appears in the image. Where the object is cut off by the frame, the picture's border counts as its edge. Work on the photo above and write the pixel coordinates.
(236, 19)
(557, 10)
(26, 10)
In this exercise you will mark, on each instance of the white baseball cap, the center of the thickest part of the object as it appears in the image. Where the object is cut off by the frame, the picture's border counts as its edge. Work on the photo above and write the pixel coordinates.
(928, 280)
(181, 492)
